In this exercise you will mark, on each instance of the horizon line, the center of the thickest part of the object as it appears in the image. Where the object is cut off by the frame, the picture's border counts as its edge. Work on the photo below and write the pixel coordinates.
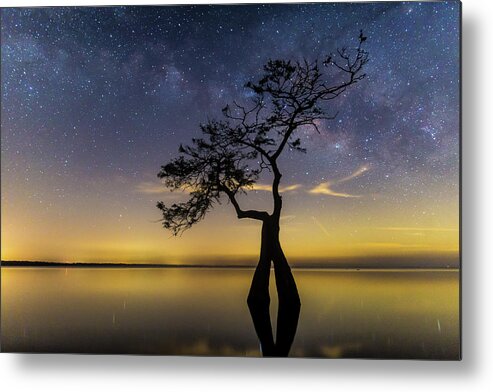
(22, 263)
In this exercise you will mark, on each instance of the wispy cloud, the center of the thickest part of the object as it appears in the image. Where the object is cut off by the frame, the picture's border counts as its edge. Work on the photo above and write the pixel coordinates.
(417, 228)
(389, 245)
(151, 188)
(357, 173)
(325, 188)
(268, 188)
(156, 188)
(289, 188)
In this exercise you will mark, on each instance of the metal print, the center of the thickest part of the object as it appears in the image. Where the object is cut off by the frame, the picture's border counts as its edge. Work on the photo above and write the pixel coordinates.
(303, 159)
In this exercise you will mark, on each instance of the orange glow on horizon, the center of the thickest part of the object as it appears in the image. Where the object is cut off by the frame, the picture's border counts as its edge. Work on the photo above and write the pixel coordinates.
(322, 227)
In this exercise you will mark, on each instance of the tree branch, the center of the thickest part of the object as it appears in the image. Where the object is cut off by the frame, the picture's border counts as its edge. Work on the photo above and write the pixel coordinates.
(242, 214)
(275, 190)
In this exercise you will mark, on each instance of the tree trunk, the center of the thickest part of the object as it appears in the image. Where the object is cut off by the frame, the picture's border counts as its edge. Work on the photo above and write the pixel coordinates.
(259, 299)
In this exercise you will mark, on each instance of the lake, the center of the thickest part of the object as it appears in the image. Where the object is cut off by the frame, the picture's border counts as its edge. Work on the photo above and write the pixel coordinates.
(203, 311)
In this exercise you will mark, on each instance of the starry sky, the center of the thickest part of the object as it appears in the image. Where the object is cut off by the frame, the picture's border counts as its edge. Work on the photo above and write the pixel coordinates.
(94, 100)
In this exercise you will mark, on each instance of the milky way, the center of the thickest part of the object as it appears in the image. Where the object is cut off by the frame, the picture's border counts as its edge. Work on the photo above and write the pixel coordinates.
(94, 100)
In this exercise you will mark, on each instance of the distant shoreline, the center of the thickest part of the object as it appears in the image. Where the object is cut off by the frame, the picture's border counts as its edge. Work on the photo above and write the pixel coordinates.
(34, 264)
(111, 265)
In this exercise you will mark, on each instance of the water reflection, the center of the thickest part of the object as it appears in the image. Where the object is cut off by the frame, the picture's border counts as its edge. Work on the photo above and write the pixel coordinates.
(287, 314)
(370, 314)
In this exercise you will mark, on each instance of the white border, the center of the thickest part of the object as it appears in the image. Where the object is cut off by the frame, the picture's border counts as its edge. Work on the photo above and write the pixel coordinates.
(133, 373)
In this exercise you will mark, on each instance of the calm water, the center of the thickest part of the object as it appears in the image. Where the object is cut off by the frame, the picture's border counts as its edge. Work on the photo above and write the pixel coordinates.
(387, 314)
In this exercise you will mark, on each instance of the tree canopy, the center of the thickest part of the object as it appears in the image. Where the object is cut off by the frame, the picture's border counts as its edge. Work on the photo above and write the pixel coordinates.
(234, 151)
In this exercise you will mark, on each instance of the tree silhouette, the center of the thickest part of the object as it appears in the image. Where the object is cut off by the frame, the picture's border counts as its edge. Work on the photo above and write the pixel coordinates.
(249, 140)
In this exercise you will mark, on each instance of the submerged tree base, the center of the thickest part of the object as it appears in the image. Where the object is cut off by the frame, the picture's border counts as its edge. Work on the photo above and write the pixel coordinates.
(259, 298)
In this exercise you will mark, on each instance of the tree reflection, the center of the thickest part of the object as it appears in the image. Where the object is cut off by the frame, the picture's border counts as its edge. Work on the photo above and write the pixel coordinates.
(287, 314)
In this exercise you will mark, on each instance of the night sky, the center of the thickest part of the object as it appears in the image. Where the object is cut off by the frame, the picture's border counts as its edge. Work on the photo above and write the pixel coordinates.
(94, 100)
